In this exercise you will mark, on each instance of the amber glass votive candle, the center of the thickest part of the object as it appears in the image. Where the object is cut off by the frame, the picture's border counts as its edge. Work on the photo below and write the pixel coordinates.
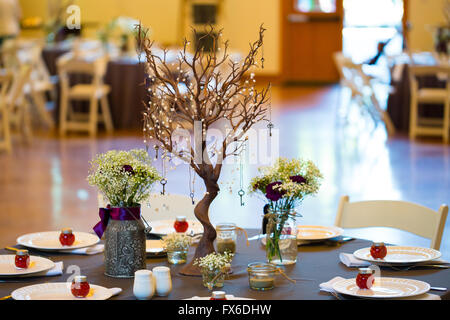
(261, 276)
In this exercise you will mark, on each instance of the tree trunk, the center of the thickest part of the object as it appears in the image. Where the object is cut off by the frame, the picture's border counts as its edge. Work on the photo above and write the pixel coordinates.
(206, 244)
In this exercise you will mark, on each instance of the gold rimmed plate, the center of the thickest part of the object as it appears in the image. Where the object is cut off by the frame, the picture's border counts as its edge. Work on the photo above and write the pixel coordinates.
(37, 265)
(165, 227)
(317, 233)
(60, 291)
(383, 288)
(49, 241)
(400, 255)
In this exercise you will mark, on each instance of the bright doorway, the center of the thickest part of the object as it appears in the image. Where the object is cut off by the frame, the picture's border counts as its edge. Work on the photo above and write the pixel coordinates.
(369, 22)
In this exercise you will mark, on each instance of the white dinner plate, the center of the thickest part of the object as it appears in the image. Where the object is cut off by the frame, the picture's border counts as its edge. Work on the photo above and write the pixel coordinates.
(37, 264)
(154, 247)
(49, 241)
(305, 233)
(164, 227)
(59, 291)
(229, 297)
(400, 255)
(383, 288)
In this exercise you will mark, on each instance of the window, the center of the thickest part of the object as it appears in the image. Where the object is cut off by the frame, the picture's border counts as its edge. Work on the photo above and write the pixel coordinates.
(325, 6)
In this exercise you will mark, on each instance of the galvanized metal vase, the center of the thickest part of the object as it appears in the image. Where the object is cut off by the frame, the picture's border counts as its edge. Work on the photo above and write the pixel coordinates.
(124, 248)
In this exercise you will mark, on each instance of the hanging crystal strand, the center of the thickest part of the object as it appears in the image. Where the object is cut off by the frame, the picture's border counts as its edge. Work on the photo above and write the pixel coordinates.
(270, 126)
(156, 147)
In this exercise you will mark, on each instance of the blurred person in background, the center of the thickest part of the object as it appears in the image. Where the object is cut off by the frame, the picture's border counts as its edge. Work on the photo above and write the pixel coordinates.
(10, 15)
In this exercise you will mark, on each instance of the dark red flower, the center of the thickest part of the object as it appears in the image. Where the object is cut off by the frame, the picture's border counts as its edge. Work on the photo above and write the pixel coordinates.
(274, 194)
(128, 168)
(298, 179)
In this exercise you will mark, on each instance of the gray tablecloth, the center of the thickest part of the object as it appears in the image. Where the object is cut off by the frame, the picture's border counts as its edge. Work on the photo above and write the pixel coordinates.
(316, 264)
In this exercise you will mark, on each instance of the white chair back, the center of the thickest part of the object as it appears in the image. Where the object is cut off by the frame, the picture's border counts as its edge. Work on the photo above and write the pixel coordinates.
(32, 55)
(416, 71)
(401, 215)
(15, 95)
(168, 207)
(94, 66)
(164, 207)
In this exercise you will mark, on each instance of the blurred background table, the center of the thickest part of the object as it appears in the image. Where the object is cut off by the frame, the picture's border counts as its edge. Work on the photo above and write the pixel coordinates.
(125, 76)
(398, 105)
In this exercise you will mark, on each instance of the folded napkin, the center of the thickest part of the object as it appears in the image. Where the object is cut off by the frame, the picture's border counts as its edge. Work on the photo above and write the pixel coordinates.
(328, 287)
(99, 248)
(115, 291)
(350, 261)
(57, 270)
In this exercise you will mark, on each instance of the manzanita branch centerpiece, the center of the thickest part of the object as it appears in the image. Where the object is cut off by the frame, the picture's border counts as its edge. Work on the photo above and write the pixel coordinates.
(202, 89)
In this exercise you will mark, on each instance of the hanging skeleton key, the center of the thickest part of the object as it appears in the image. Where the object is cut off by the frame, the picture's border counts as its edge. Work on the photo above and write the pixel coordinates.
(241, 194)
(270, 126)
(163, 183)
(192, 198)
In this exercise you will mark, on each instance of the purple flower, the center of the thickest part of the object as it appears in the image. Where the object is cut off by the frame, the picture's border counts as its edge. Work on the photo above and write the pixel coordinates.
(274, 194)
(298, 179)
(128, 168)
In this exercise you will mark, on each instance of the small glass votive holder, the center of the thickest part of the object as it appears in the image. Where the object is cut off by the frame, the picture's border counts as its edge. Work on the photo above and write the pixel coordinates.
(226, 237)
(177, 256)
(261, 276)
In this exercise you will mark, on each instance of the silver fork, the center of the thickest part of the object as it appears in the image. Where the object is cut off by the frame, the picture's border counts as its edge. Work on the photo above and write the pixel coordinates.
(437, 266)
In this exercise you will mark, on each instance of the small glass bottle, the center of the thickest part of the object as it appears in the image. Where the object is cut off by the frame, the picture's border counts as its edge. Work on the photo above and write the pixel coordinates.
(181, 225)
(365, 278)
(378, 250)
(226, 237)
(22, 260)
(261, 276)
(218, 296)
(80, 287)
(67, 238)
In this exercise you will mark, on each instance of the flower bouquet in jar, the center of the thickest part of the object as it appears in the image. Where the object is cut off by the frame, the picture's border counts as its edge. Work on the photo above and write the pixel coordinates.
(124, 179)
(284, 186)
(214, 267)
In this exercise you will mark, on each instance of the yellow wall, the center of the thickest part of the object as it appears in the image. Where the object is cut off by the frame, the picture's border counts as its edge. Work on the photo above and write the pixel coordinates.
(241, 20)
(423, 16)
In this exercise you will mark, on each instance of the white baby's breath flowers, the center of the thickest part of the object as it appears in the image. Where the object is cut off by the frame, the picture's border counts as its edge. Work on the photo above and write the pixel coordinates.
(215, 261)
(124, 178)
(292, 179)
(176, 242)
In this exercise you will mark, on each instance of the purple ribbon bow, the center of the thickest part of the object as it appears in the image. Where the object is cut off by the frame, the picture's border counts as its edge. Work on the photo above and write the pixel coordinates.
(121, 214)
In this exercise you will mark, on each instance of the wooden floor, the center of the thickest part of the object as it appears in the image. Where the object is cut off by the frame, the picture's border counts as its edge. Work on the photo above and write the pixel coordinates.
(43, 186)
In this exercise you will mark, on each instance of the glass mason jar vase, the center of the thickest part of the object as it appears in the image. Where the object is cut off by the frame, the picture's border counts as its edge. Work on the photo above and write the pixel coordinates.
(213, 278)
(281, 238)
(177, 256)
(226, 237)
(261, 276)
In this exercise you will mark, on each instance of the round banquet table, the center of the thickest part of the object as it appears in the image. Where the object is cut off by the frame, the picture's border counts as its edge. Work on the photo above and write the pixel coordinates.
(316, 264)
(398, 105)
